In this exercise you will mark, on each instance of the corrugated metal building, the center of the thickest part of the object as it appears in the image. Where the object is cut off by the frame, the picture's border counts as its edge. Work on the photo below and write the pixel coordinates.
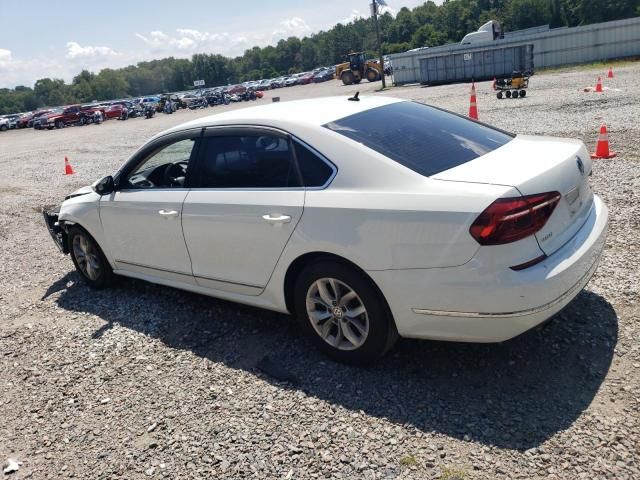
(551, 47)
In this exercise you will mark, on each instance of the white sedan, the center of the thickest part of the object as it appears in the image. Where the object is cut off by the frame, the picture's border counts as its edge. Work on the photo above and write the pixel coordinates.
(365, 219)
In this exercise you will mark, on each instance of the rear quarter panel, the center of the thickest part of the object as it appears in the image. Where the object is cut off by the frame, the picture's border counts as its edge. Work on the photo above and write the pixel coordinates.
(381, 230)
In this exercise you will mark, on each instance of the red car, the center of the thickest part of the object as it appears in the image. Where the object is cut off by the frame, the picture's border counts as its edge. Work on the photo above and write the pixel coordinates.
(27, 120)
(236, 90)
(70, 115)
(306, 78)
(114, 111)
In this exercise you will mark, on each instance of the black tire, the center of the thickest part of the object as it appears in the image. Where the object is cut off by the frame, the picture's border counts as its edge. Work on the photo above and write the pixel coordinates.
(514, 94)
(507, 94)
(59, 124)
(372, 75)
(499, 95)
(381, 335)
(523, 93)
(347, 77)
(104, 276)
(4, 128)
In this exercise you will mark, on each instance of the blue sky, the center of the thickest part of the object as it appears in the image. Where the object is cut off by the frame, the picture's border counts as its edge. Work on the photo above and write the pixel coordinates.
(44, 38)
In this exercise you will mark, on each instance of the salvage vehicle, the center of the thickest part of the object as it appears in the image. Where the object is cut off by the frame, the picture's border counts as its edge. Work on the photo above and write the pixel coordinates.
(117, 110)
(291, 81)
(427, 225)
(236, 89)
(12, 119)
(323, 76)
(26, 120)
(69, 115)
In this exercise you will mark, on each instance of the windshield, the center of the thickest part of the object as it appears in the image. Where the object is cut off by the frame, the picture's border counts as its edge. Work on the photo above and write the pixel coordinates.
(423, 138)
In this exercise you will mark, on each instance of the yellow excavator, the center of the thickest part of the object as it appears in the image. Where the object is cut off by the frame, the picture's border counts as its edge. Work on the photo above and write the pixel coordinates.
(358, 68)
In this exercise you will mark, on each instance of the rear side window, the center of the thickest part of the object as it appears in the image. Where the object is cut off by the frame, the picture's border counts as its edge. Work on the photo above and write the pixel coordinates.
(314, 170)
(425, 139)
(247, 161)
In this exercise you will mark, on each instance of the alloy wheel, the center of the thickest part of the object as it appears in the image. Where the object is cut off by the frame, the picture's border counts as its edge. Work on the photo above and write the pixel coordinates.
(337, 314)
(86, 255)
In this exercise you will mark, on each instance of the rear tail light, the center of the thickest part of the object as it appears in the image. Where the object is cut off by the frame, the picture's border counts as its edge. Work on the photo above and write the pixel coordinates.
(511, 219)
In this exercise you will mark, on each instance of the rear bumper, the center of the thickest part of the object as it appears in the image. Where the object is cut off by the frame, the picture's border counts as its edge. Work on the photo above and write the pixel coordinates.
(475, 303)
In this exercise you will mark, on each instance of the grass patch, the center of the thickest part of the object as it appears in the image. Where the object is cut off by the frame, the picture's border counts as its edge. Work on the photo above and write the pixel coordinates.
(451, 473)
(408, 461)
(604, 65)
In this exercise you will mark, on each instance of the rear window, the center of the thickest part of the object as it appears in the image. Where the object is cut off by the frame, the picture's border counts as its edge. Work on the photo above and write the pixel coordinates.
(425, 139)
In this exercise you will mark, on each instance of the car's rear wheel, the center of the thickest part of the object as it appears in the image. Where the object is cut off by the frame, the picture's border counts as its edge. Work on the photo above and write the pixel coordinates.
(88, 259)
(344, 313)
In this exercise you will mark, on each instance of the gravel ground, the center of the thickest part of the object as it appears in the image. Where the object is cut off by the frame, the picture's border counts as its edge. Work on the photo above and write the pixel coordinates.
(143, 381)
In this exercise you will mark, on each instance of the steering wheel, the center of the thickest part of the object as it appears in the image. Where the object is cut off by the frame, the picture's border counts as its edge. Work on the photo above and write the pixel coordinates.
(175, 173)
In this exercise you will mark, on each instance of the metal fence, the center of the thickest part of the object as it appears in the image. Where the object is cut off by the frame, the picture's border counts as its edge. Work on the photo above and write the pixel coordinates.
(551, 47)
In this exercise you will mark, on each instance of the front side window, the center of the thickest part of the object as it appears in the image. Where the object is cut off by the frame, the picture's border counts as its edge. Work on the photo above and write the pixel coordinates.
(425, 139)
(246, 161)
(166, 167)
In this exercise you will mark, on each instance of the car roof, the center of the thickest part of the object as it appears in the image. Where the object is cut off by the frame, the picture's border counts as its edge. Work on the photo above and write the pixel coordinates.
(311, 112)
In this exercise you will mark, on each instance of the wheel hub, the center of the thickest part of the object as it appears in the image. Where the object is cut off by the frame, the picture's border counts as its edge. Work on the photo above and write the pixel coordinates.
(337, 314)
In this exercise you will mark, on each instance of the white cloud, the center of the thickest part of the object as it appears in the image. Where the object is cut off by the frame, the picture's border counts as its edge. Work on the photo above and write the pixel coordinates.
(5, 56)
(355, 14)
(76, 51)
(290, 27)
(187, 41)
(20, 71)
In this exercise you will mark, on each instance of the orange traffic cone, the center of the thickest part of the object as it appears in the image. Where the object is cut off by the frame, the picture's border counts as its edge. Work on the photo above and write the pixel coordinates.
(602, 147)
(494, 83)
(473, 107)
(599, 85)
(610, 74)
(68, 169)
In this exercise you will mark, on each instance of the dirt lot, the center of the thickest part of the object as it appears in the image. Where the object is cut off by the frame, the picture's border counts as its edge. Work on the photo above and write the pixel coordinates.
(143, 381)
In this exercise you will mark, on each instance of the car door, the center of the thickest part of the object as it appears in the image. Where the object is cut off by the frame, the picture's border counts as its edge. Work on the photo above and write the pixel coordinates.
(142, 218)
(246, 201)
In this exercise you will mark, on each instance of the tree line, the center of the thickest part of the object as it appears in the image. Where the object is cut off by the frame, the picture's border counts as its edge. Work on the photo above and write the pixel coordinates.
(426, 25)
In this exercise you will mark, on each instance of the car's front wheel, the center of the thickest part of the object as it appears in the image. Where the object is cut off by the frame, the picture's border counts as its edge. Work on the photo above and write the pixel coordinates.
(88, 259)
(344, 313)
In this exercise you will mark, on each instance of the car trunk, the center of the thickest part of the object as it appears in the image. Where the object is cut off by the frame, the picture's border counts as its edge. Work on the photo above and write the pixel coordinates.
(536, 165)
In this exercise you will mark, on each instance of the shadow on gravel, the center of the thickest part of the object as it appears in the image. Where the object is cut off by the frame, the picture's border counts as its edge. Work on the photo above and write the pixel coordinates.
(512, 395)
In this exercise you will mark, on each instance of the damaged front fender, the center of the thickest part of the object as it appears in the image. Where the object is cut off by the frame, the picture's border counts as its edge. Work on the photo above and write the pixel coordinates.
(56, 230)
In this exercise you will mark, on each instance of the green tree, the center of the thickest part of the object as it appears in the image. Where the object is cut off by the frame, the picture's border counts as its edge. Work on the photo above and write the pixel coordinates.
(110, 84)
(527, 13)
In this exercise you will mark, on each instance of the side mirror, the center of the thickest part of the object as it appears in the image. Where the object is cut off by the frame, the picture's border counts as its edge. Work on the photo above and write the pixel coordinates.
(104, 186)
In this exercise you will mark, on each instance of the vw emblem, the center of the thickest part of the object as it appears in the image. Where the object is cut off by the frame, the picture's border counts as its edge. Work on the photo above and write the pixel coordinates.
(580, 165)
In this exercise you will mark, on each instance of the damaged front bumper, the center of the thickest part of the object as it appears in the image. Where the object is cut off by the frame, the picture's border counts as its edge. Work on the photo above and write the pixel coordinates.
(55, 229)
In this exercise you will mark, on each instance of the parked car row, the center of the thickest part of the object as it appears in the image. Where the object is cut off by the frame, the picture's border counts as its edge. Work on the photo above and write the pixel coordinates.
(317, 75)
(147, 107)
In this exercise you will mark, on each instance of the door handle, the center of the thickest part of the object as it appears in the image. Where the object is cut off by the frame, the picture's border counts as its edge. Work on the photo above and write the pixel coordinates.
(276, 219)
(168, 213)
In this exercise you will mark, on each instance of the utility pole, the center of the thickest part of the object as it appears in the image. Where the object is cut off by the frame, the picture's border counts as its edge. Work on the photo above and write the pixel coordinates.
(374, 12)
